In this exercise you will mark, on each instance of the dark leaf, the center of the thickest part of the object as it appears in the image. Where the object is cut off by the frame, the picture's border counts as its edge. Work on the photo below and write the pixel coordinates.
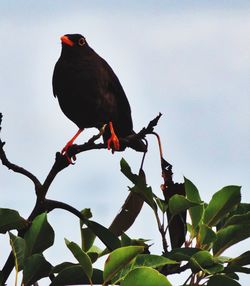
(229, 236)
(219, 280)
(203, 261)
(10, 219)
(182, 254)
(129, 212)
(176, 224)
(87, 215)
(81, 257)
(126, 170)
(240, 209)
(161, 204)
(145, 193)
(207, 235)
(35, 267)
(236, 264)
(104, 234)
(239, 219)
(74, 275)
(243, 259)
(60, 267)
(88, 238)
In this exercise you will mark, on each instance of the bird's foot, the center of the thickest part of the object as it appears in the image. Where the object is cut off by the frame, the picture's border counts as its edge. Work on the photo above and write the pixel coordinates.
(113, 139)
(115, 142)
(65, 149)
(64, 152)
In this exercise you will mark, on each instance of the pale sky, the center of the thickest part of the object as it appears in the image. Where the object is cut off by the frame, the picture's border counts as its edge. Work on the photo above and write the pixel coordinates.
(185, 59)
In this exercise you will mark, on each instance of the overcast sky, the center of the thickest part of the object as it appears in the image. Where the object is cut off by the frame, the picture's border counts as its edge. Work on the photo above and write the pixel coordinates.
(186, 59)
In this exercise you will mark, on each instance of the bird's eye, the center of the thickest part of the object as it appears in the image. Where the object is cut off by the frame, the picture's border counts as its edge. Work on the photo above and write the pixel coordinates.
(81, 42)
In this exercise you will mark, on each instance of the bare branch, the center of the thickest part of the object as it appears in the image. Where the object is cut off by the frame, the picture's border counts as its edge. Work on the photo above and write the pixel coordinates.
(17, 168)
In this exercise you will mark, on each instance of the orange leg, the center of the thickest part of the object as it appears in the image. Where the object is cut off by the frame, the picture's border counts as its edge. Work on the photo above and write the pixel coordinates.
(113, 138)
(70, 143)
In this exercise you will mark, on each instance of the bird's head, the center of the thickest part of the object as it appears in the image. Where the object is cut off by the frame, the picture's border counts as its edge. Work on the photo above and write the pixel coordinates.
(76, 41)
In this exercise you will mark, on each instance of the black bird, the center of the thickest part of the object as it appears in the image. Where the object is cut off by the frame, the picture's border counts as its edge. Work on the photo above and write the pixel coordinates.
(90, 94)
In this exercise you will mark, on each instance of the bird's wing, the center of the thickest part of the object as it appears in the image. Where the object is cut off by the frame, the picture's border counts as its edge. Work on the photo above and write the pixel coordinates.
(114, 87)
(54, 81)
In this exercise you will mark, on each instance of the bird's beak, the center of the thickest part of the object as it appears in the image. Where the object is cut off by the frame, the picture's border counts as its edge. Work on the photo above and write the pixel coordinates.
(65, 40)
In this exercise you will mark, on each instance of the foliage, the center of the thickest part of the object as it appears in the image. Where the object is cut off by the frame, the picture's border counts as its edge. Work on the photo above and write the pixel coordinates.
(214, 227)
(196, 246)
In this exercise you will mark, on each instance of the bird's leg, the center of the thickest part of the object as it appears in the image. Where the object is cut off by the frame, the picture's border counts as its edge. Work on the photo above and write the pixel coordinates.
(113, 138)
(70, 143)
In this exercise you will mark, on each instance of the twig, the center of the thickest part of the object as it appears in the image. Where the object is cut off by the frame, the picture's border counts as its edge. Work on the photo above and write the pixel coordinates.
(16, 168)
(61, 162)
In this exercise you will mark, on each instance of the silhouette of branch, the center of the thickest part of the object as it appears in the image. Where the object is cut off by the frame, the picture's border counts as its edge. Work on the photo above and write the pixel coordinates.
(61, 162)
(14, 167)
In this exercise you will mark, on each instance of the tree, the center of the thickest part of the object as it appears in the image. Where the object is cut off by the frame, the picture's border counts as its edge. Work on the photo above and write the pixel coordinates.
(196, 246)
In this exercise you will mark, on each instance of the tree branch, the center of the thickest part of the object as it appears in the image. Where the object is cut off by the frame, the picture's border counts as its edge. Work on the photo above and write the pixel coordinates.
(16, 168)
(61, 162)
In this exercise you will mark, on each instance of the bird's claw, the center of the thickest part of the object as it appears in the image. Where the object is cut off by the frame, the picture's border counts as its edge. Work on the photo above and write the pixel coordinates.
(115, 142)
(64, 152)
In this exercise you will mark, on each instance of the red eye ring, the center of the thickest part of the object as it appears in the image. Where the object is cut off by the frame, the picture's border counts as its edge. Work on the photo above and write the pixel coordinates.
(81, 42)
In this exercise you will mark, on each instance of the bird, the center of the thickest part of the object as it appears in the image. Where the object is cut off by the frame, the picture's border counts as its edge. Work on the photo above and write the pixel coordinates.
(91, 95)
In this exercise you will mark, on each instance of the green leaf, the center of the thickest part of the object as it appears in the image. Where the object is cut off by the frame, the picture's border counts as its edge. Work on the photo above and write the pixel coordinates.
(229, 236)
(35, 267)
(241, 209)
(178, 204)
(126, 170)
(219, 280)
(18, 249)
(204, 261)
(118, 259)
(140, 186)
(192, 192)
(39, 236)
(104, 234)
(193, 195)
(94, 253)
(86, 214)
(207, 235)
(239, 219)
(88, 238)
(145, 276)
(81, 257)
(182, 254)
(125, 240)
(221, 204)
(10, 219)
(148, 260)
(74, 275)
(151, 260)
(161, 204)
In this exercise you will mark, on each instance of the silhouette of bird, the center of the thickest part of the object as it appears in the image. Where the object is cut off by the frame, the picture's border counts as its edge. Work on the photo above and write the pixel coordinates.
(91, 95)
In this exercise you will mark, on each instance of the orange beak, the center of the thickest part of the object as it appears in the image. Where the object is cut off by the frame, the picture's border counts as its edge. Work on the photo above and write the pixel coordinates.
(67, 41)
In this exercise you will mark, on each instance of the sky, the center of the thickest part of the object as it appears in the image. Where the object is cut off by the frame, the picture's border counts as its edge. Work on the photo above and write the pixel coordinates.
(188, 60)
